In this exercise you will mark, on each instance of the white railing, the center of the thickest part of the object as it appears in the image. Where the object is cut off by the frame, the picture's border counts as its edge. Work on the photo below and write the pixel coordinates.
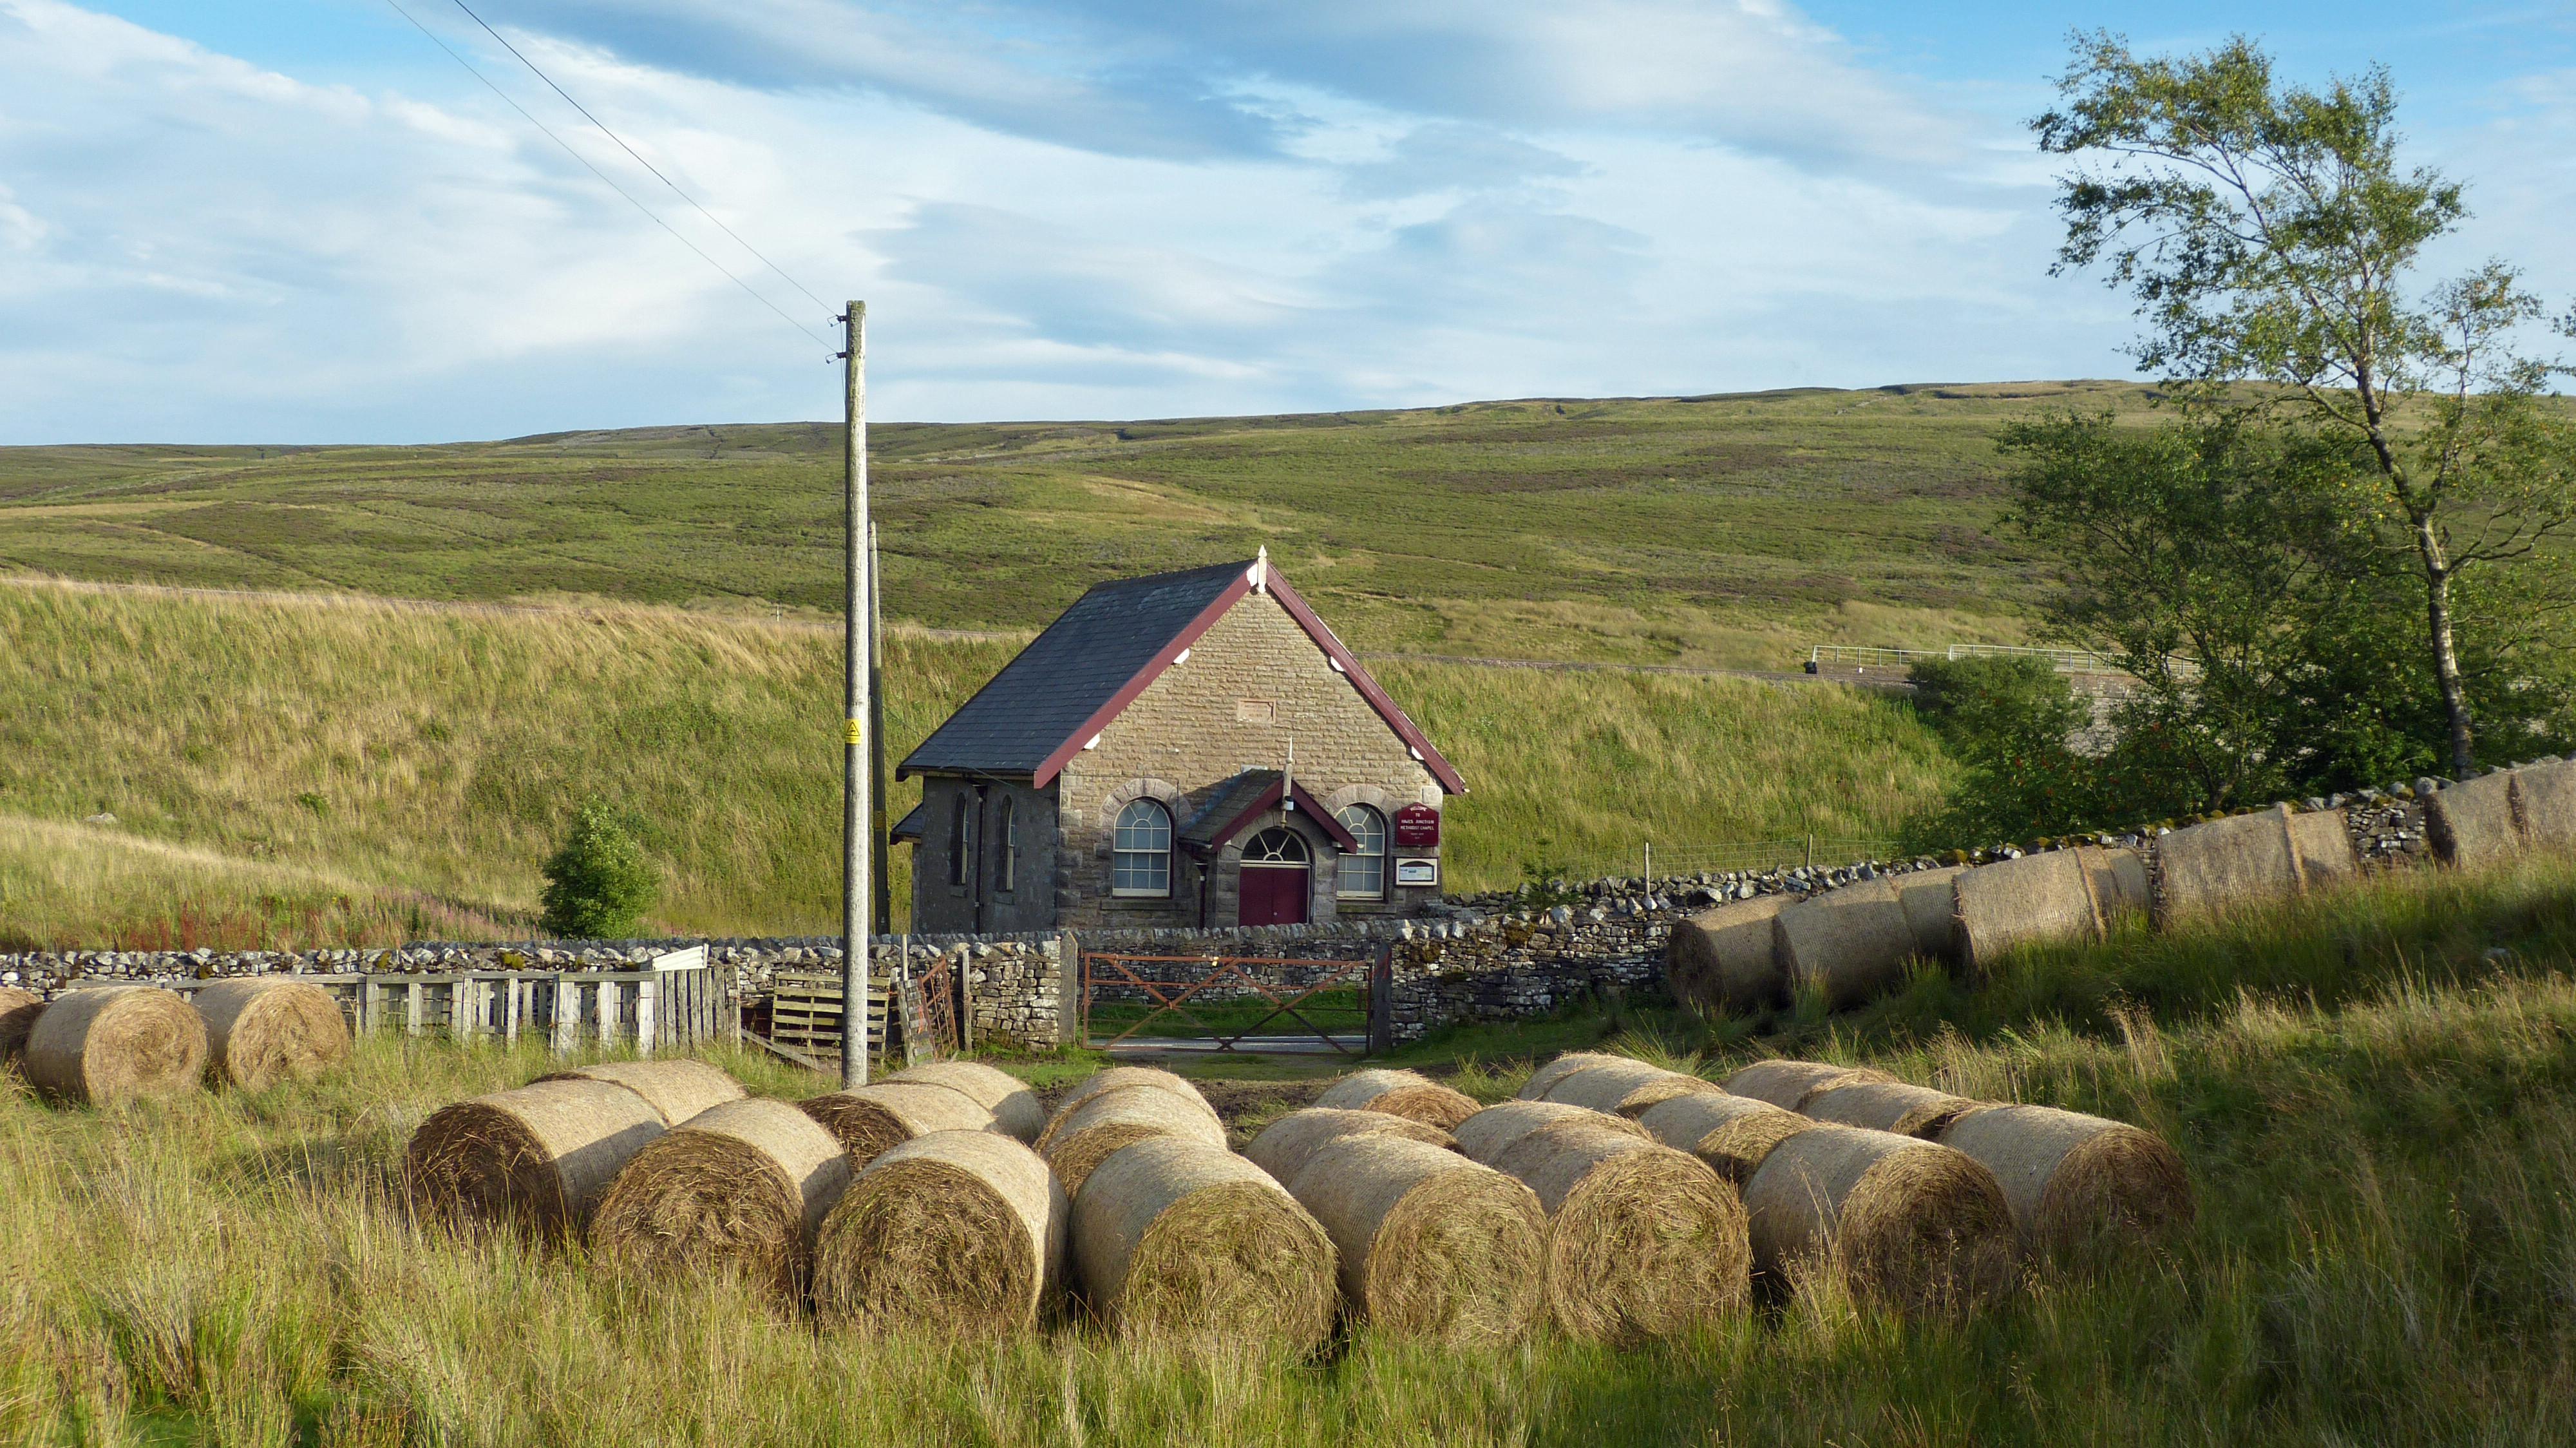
(673, 1002)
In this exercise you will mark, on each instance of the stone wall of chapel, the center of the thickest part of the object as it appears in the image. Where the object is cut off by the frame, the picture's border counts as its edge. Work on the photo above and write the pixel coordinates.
(1250, 684)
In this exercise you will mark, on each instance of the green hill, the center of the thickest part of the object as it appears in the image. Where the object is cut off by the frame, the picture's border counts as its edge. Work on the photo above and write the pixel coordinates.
(324, 768)
(1722, 530)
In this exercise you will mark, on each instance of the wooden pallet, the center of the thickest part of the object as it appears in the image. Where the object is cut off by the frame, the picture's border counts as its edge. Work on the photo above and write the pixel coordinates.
(805, 1012)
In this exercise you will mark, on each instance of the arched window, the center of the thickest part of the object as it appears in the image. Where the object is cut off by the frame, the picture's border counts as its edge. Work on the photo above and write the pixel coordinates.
(1362, 873)
(1275, 846)
(1141, 857)
(1010, 862)
(961, 838)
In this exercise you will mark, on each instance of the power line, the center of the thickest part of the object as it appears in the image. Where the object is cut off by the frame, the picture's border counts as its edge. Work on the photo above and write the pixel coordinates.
(604, 177)
(639, 159)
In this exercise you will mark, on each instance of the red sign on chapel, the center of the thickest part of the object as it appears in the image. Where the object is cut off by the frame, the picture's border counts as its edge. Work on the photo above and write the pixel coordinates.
(1417, 827)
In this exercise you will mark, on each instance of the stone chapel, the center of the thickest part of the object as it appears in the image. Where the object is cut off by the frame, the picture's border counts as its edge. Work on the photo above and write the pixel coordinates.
(1190, 749)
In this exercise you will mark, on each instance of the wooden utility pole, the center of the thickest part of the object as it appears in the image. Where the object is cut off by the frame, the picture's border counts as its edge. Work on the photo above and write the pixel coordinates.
(856, 836)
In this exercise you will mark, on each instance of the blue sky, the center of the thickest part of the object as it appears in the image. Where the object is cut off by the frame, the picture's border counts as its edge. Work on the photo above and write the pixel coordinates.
(298, 221)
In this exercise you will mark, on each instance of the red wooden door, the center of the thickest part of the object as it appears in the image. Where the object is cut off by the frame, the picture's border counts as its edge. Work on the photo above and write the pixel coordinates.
(1273, 895)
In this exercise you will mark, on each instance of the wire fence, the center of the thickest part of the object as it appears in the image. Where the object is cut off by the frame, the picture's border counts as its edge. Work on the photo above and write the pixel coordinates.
(1658, 862)
(2063, 660)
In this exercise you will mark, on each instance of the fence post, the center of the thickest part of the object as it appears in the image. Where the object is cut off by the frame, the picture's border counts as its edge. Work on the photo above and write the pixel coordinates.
(1381, 1026)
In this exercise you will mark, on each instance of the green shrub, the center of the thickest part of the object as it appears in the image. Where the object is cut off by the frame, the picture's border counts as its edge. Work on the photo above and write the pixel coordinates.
(598, 883)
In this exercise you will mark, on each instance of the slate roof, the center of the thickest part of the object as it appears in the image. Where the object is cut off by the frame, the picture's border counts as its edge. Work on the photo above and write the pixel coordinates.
(1246, 795)
(1070, 672)
(914, 824)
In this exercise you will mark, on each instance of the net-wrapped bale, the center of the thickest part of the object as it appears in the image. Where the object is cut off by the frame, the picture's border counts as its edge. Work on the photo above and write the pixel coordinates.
(1892, 1106)
(2119, 878)
(1431, 1244)
(1118, 1078)
(960, 1233)
(2475, 823)
(1086, 1136)
(2323, 844)
(2074, 1180)
(1726, 960)
(1174, 1238)
(2042, 897)
(1930, 899)
(1400, 1093)
(1284, 1146)
(1017, 1112)
(677, 1090)
(1486, 1135)
(1545, 1077)
(742, 1187)
(2545, 794)
(1733, 1134)
(262, 1029)
(1642, 1240)
(2226, 864)
(1904, 1223)
(1784, 1083)
(116, 1043)
(1847, 945)
(18, 1012)
(540, 1157)
(871, 1120)
(1625, 1088)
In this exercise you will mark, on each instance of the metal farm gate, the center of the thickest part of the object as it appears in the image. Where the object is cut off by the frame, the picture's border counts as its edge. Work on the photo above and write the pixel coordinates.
(1235, 1002)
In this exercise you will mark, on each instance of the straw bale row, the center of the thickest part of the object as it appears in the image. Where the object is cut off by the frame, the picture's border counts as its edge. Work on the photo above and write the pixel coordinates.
(123, 1042)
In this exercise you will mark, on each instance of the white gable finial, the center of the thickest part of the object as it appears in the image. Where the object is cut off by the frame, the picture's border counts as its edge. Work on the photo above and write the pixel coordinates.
(1261, 570)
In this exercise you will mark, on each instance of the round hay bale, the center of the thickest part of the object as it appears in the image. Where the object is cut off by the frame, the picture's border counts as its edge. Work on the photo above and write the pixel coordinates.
(1725, 960)
(2119, 878)
(677, 1090)
(1118, 1078)
(1486, 1135)
(2474, 823)
(2323, 844)
(2073, 1179)
(2545, 794)
(1017, 1112)
(1626, 1088)
(1431, 1244)
(1892, 1106)
(18, 1012)
(539, 1157)
(1642, 1240)
(1731, 1133)
(961, 1233)
(1848, 944)
(741, 1188)
(2046, 896)
(1546, 1077)
(1930, 899)
(114, 1043)
(1085, 1136)
(871, 1120)
(1284, 1146)
(262, 1029)
(2243, 860)
(1175, 1238)
(1902, 1223)
(1400, 1093)
(1784, 1083)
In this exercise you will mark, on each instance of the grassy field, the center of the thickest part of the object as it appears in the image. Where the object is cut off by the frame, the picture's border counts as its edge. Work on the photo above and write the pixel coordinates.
(2380, 1125)
(1725, 530)
(326, 769)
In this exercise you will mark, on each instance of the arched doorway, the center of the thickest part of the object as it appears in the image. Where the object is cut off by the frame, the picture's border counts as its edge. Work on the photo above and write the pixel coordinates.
(1276, 873)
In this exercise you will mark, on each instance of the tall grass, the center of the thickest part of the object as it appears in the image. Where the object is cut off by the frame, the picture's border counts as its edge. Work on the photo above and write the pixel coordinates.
(2386, 1253)
(432, 755)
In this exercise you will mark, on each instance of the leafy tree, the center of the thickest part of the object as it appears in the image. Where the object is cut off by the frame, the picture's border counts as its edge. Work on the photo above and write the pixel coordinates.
(2270, 236)
(2010, 722)
(598, 883)
(2267, 628)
